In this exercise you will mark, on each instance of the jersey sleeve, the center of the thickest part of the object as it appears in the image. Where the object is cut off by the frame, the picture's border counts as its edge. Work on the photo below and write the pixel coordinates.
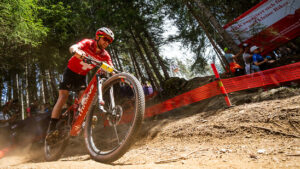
(84, 43)
(108, 58)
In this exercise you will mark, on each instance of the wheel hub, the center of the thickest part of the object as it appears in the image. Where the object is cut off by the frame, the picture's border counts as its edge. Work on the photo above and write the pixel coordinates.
(116, 115)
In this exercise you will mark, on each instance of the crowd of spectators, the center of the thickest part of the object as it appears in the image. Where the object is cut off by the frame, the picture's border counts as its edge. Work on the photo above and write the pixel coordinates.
(11, 111)
(253, 59)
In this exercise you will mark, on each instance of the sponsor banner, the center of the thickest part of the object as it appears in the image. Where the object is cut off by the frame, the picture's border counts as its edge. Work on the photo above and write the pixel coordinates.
(268, 24)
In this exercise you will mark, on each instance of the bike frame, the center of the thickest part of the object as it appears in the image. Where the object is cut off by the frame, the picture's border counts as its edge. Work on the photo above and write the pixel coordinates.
(85, 101)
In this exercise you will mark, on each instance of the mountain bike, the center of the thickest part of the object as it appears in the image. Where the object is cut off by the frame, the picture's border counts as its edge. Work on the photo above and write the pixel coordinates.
(109, 112)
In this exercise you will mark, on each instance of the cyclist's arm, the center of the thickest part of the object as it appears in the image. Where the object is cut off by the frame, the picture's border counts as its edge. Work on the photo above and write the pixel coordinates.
(235, 57)
(76, 50)
(255, 61)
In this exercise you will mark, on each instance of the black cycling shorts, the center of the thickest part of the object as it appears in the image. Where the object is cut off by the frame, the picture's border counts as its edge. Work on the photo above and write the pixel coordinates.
(72, 81)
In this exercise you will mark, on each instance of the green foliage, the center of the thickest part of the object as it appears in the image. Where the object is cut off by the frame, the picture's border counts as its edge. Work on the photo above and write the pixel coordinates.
(38, 33)
(20, 24)
(228, 10)
(190, 34)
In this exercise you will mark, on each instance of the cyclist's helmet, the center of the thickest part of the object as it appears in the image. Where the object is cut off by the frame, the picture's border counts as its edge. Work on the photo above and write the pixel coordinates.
(105, 32)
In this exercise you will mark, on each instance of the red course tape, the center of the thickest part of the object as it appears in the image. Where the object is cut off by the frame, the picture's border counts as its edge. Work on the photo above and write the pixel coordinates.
(268, 77)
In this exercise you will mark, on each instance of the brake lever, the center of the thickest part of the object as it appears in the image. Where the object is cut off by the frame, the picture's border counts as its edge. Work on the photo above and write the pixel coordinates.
(87, 60)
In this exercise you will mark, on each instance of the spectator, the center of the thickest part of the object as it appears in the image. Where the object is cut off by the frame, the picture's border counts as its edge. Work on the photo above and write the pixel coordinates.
(234, 67)
(247, 57)
(150, 89)
(12, 110)
(259, 60)
(46, 108)
(4, 120)
(32, 110)
(146, 89)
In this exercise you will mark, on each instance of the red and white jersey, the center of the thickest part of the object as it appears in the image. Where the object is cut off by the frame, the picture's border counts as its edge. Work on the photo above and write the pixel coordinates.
(89, 46)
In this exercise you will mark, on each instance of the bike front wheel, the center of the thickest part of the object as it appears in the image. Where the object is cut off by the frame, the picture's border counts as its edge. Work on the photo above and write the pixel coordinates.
(109, 135)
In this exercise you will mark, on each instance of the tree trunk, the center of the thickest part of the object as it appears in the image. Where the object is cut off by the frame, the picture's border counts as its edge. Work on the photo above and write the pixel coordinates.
(156, 52)
(18, 87)
(118, 59)
(134, 67)
(22, 99)
(15, 85)
(45, 88)
(1, 90)
(27, 85)
(150, 59)
(113, 58)
(49, 86)
(42, 94)
(135, 63)
(206, 12)
(32, 83)
(147, 68)
(9, 88)
(53, 85)
(217, 50)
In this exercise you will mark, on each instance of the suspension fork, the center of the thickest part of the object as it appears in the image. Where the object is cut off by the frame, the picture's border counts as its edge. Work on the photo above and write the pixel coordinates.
(112, 99)
(101, 103)
(100, 93)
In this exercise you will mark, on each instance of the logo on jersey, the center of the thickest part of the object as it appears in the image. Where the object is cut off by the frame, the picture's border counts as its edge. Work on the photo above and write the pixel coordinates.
(86, 66)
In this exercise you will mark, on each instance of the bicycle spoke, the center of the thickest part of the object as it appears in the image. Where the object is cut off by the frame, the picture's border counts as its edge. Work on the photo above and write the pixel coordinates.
(116, 132)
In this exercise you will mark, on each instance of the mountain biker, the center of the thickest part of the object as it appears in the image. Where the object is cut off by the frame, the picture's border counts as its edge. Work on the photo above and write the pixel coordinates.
(74, 76)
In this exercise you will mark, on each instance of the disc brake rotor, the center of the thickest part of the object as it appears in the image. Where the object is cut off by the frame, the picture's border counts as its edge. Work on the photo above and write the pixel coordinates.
(115, 116)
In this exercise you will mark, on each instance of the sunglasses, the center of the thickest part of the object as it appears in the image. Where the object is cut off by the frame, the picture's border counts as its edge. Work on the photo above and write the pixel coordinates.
(109, 40)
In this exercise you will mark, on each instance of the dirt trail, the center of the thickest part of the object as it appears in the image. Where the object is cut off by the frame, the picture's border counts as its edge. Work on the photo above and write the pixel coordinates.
(263, 134)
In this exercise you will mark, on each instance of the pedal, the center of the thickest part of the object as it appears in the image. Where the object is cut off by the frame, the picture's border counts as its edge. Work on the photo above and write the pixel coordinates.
(52, 137)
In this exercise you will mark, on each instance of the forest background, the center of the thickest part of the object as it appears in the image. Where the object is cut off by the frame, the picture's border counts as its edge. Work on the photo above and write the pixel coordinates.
(35, 36)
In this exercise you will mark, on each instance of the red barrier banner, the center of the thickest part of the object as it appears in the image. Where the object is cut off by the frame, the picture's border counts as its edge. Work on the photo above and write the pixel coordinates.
(268, 24)
(195, 95)
(268, 77)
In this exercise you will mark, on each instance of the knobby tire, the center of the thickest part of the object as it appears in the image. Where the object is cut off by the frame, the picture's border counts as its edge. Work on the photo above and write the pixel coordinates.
(139, 107)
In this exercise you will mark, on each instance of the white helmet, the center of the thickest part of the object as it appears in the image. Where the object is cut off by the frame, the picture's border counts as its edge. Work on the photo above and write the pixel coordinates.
(105, 32)
(253, 48)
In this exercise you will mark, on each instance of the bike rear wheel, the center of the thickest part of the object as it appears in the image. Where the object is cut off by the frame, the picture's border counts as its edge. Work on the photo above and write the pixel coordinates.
(109, 135)
(54, 150)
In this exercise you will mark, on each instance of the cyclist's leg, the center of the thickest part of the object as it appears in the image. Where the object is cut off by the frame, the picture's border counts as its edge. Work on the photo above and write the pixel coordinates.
(70, 81)
(62, 99)
(64, 88)
(80, 85)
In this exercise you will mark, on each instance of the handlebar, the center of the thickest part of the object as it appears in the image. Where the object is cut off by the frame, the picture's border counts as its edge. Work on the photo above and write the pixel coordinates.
(104, 66)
